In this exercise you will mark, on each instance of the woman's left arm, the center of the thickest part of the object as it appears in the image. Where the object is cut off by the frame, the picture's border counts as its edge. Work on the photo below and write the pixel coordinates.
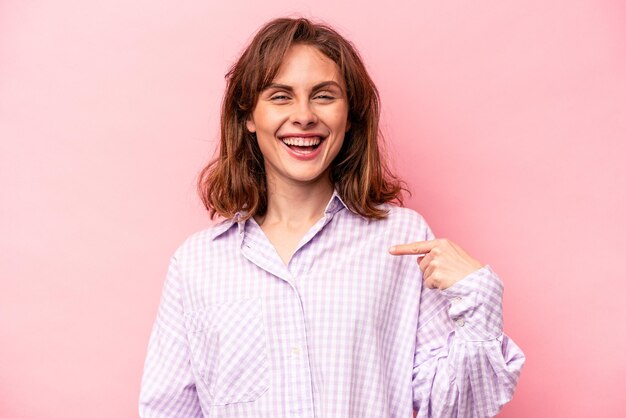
(464, 365)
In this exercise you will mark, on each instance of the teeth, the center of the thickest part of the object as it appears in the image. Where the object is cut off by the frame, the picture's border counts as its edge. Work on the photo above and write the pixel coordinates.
(302, 142)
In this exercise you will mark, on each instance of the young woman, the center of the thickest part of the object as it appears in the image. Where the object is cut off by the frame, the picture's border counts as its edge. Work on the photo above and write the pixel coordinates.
(299, 303)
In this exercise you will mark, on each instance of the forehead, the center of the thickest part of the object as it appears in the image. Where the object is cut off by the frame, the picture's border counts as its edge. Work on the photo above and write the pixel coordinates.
(305, 63)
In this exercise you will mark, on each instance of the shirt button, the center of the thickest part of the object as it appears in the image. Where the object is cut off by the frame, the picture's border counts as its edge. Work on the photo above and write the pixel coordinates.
(295, 351)
(456, 300)
(460, 322)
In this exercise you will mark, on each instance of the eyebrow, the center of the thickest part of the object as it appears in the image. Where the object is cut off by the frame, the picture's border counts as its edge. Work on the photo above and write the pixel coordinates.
(318, 86)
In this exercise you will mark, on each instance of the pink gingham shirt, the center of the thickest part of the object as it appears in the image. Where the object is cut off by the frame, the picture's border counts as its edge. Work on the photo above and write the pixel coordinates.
(344, 330)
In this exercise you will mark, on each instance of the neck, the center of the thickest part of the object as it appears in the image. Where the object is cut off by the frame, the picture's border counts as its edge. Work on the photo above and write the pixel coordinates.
(296, 204)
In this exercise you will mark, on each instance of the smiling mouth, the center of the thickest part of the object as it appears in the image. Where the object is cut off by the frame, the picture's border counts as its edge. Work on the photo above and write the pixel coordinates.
(302, 145)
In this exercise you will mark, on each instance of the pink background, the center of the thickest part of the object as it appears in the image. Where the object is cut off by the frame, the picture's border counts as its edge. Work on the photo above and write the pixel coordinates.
(508, 119)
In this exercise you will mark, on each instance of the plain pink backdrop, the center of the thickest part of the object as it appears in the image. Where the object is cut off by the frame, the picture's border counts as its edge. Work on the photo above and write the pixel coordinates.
(507, 118)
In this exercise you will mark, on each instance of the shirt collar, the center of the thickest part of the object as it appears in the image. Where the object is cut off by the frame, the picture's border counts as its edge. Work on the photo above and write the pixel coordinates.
(223, 226)
(335, 204)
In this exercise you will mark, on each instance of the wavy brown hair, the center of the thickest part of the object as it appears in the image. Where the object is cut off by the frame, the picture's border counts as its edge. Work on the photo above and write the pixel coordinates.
(235, 180)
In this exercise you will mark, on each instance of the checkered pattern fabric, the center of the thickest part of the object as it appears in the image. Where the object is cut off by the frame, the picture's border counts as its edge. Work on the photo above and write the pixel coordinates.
(343, 330)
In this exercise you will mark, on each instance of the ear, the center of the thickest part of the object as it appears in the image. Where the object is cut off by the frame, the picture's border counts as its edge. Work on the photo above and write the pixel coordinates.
(251, 125)
(348, 125)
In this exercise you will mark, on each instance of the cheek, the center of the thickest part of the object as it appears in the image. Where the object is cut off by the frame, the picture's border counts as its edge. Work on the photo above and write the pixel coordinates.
(340, 120)
(337, 144)
(267, 121)
(341, 125)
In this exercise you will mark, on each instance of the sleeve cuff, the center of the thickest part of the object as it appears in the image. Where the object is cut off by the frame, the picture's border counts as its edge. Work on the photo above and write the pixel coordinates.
(476, 305)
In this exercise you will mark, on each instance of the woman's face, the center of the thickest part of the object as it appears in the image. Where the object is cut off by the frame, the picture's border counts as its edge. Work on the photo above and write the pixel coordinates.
(301, 118)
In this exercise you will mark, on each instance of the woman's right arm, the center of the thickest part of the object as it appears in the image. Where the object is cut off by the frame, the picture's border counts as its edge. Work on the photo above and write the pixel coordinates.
(168, 386)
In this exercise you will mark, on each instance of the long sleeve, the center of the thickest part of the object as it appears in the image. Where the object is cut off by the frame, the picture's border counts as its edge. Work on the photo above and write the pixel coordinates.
(167, 386)
(464, 365)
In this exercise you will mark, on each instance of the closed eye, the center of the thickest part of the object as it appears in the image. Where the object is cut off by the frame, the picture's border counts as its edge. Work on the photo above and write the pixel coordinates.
(324, 97)
(279, 97)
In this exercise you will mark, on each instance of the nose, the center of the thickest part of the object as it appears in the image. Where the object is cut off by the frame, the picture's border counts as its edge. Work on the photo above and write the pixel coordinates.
(303, 114)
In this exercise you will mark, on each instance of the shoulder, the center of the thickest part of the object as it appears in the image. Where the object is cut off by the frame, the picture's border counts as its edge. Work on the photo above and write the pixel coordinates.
(201, 241)
(398, 215)
(404, 223)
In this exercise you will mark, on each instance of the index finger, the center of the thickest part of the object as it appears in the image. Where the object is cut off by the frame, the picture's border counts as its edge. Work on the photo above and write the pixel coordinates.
(419, 247)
